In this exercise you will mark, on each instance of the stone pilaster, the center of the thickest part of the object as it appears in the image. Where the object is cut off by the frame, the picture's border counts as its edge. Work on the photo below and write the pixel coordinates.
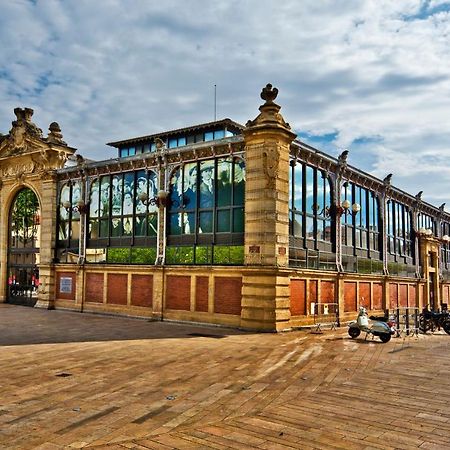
(46, 292)
(265, 300)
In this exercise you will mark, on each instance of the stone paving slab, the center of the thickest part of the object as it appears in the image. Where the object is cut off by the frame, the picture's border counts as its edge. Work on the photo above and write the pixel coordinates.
(71, 380)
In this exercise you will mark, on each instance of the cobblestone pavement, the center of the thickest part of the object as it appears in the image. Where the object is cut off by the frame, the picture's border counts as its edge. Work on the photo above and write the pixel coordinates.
(70, 380)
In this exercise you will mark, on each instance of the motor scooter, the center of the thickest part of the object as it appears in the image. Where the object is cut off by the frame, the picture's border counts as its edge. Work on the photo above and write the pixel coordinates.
(376, 328)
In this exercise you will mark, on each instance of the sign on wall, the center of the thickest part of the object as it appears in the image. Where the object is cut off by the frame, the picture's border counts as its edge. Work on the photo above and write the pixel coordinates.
(65, 285)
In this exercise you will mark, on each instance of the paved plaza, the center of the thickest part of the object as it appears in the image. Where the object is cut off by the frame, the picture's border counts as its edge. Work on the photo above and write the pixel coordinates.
(71, 380)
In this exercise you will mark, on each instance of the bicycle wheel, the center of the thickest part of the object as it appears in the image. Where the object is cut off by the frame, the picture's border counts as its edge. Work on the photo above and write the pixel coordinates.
(424, 324)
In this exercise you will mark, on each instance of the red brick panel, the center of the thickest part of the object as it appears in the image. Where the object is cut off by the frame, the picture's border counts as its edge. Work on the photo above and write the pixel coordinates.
(349, 296)
(411, 295)
(178, 292)
(312, 298)
(201, 294)
(228, 295)
(94, 287)
(142, 290)
(66, 295)
(377, 291)
(327, 292)
(364, 295)
(117, 288)
(393, 295)
(298, 297)
(403, 295)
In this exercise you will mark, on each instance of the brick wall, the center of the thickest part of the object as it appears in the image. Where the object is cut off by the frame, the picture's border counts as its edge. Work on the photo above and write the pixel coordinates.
(364, 295)
(201, 294)
(117, 288)
(94, 287)
(178, 292)
(298, 297)
(327, 292)
(402, 295)
(142, 290)
(228, 295)
(393, 295)
(377, 290)
(349, 296)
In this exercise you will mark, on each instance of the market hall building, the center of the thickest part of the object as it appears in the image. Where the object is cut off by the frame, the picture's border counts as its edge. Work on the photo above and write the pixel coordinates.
(219, 223)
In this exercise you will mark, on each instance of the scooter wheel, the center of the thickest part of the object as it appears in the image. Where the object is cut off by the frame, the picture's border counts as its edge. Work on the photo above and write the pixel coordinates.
(385, 337)
(446, 326)
(354, 332)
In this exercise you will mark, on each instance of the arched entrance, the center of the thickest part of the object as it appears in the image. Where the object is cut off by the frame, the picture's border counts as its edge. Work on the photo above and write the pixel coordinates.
(23, 249)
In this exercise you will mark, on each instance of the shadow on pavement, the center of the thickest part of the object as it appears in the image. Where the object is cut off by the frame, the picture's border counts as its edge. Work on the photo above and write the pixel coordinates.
(21, 325)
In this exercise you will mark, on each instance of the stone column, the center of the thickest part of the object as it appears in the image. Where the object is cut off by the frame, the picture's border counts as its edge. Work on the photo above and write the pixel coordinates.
(265, 295)
(46, 292)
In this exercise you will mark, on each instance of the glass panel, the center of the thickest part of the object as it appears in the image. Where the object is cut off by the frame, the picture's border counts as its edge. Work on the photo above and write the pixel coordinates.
(93, 229)
(189, 223)
(238, 220)
(219, 134)
(127, 226)
(327, 231)
(116, 227)
(175, 190)
(309, 227)
(209, 136)
(309, 190)
(140, 226)
(141, 193)
(173, 143)
(190, 186)
(152, 181)
(143, 255)
(239, 182)
(206, 222)
(320, 230)
(104, 228)
(364, 213)
(118, 255)
(298, 225)
(206, 184)
(152, 224)
(104, 196)
(175, 221)
(179, 255)
(131, 151)
(320, 205)
(181, 141)
(203, 255)
(94, 200)
(224, 182)
(75, 234)
(117, 192)
(223, 221)
(364, 239)
(76, 197)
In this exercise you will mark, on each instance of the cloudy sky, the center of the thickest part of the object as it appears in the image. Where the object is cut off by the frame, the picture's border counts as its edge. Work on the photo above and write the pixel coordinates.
(371, 76)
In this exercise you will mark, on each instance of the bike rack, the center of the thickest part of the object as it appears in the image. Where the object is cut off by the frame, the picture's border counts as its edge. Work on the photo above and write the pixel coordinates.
(407, 321)
(324, 314)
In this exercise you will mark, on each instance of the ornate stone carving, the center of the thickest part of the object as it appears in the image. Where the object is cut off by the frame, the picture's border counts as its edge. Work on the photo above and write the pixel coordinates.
(271, 162)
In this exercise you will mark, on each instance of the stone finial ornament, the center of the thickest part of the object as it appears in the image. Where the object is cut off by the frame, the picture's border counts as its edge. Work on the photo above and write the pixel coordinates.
(441, 208)
(342, 158)
(419, 195)
(269, 112)
(269, 94)
(55, 136)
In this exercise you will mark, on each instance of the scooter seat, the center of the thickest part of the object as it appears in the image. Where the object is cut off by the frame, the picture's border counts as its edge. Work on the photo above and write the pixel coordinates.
(379, 318)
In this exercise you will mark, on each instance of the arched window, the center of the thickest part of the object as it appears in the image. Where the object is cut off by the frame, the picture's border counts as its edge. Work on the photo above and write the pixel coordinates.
(205, 212)
(310, 218)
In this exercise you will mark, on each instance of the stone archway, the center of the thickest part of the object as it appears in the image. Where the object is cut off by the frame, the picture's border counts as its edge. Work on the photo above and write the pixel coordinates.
(23, 248)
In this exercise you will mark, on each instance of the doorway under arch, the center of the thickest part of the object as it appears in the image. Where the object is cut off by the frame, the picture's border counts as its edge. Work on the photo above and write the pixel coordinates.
(23, 249)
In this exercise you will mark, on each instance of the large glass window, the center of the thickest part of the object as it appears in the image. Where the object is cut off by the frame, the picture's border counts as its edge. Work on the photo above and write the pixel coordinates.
(206, 208)
(398, 229)
(310, 218)
(425, 222)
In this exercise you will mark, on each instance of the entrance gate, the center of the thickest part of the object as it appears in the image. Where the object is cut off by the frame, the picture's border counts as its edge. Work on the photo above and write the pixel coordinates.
(23, 249)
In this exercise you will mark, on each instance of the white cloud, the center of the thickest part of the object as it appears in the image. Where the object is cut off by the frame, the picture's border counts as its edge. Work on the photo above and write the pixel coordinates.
(117, 69)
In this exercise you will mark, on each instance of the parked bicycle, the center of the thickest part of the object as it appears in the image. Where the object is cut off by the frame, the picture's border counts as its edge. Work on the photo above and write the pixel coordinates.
(434, 320)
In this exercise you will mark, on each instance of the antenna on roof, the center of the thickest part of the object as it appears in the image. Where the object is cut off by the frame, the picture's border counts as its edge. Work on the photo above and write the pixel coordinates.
(215, 102)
